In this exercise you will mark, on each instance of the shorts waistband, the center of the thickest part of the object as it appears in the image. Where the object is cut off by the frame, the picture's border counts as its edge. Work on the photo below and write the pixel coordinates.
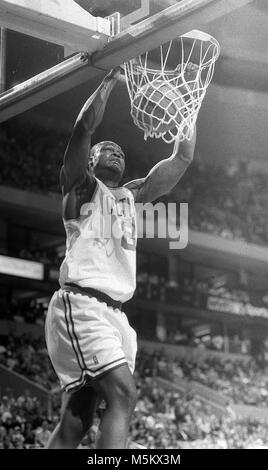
(90, 292)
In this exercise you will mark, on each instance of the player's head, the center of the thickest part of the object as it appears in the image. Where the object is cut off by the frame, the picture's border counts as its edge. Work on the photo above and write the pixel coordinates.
(108, 161)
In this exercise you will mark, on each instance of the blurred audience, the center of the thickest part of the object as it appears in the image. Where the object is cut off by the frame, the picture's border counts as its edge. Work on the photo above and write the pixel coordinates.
(163, 419)
(28, 356)
(229, 201)
(243, 381)
(29, 311)
(24, 422)
(173, 420)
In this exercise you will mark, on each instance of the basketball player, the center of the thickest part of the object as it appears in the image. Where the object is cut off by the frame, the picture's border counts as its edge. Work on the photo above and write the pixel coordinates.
(90, 342)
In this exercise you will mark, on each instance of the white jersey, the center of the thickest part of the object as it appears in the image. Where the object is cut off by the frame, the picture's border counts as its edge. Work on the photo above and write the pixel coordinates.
(101, 244)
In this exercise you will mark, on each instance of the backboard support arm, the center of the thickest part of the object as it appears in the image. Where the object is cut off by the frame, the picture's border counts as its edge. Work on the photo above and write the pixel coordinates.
(146, 35)
(136, 15)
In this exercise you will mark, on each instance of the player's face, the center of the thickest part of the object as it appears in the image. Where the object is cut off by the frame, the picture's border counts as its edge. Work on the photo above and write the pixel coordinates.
(112, 158)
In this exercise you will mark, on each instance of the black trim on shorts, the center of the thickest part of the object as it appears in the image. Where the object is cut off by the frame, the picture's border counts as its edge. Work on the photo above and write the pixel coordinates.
(90, 292)
(75, 385)
(85, 371)
(93, 373)
(110, 363)
(85, 368)
(78, 381)
(75, 335)
(69, 333)
(109, 370)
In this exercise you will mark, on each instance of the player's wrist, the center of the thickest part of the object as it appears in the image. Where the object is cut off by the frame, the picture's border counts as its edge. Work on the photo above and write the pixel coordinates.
(186, 158)
(109, 78)
(116, 74)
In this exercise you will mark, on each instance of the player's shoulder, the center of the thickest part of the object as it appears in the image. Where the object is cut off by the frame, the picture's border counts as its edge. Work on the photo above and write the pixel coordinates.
(76, 197)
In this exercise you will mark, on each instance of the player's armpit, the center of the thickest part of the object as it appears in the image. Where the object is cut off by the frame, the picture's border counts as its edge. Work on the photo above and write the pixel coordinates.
(161, 179)
(135, 186)
(80, 194)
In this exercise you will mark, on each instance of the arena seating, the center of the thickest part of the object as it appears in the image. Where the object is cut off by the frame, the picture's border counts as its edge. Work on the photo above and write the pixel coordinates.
(162, 420)
(228, 201)
(243, 382)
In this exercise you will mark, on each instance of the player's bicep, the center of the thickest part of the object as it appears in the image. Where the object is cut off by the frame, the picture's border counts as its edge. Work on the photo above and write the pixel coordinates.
(159, 181)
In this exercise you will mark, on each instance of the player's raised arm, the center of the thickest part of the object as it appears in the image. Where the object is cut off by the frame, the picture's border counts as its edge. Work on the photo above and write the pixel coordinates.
(165, 174)
(75, 163)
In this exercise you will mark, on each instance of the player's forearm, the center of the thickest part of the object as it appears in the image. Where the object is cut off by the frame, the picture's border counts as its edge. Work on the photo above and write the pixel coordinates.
(186, 149)
(177, 166)
(92, 112)
(166, 173)
(181, 158)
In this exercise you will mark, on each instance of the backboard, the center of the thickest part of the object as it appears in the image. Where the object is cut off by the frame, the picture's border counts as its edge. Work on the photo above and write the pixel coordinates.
(38, 37)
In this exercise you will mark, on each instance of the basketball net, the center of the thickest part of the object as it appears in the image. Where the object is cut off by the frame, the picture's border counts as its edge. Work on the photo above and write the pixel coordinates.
(186, 66)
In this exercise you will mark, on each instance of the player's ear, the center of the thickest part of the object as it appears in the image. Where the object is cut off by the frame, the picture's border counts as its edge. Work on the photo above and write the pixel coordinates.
(93, 159)
(90, 162)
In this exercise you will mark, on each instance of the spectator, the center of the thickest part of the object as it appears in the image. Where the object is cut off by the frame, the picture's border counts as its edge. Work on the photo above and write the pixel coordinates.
(229, 204)
(42, 434)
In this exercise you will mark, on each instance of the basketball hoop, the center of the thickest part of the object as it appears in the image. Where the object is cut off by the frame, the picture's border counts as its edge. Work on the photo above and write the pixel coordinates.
(167, 86)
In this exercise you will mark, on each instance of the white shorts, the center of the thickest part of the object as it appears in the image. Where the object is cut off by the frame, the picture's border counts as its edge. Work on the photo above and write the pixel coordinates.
(86, 338)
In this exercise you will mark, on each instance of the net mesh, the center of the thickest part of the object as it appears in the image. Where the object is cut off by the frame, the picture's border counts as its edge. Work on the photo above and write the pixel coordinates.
(167, 86)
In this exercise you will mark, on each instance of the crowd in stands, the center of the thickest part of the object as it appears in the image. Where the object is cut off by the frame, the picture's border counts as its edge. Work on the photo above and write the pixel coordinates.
(163, 419)
(212, 341)
(154, 287)
(173, 419)
(244, 381)
(195, 292)
(228, 201)
(24, 422)
(30, 159)
(30, 311)
(33, 312)
(28, 356)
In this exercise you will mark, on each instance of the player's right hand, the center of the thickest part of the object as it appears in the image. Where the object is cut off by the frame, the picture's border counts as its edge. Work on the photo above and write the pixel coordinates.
(118, 73)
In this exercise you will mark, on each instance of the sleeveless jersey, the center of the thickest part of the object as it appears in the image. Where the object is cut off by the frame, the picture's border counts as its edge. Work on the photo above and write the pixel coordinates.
(101, 244)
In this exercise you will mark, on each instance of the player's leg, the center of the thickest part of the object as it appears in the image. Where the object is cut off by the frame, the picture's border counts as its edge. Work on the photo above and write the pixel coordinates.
(118, 389)
(77, 413)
